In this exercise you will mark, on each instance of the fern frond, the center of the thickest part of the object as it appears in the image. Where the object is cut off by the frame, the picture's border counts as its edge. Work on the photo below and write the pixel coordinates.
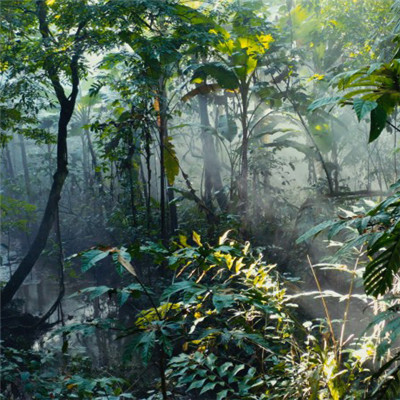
(379, 273)
(389, 387)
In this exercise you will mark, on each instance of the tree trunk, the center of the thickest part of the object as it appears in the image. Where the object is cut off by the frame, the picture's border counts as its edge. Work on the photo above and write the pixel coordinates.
(244, 167)
(67, 105)
(161, 129)
(212, 168)
(85, 163)
(8, 163)
(148, 167)
(97, 173)
(49, 216)
(173, 212)
(26, 169)
(132, 190)
(50, 164)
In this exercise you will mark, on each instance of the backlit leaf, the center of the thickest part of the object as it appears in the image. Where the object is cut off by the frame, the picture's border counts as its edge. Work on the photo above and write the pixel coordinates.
(91, 257)
(363, 107)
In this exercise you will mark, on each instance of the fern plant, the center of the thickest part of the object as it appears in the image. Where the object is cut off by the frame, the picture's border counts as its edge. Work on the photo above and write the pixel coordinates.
(378, 228)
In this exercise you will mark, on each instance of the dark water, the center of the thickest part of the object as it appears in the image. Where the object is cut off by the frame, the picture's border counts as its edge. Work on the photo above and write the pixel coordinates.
(41, 289)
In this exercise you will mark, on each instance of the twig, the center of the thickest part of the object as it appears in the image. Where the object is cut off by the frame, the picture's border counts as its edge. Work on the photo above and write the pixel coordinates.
(346, 311)
(323, 301)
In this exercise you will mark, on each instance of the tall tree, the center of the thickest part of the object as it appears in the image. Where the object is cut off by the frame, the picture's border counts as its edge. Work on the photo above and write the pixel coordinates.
(58, 37)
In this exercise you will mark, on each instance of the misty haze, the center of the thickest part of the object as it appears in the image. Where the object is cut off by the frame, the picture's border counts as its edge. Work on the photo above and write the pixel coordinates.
(200, 199)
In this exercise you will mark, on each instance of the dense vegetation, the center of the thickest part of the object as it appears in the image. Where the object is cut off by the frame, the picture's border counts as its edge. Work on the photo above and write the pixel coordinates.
(166, 169)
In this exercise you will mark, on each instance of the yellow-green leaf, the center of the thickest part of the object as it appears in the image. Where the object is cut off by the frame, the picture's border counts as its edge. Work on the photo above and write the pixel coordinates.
(196, 238)
(171, 163)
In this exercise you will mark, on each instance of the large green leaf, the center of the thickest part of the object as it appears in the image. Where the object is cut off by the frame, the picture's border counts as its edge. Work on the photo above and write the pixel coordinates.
(363, 107)
(91, 257)
(171, 163)
(315, 231)
(146, 344)
(179, 286)
(324, 102)
(93, 292)
(203, 89)
(378, 122)
(224, 76)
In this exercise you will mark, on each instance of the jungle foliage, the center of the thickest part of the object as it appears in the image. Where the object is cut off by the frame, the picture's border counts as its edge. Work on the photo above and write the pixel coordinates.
(134, 133)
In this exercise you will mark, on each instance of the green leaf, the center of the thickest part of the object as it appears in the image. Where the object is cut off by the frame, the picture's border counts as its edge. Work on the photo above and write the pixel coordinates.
(237, 369)
(95, 291)
(146, 345)
(209, 386)
(379, 273)
(186, 286)
(222, 301)
(222, 394)
(201, 89)
(363, 107)
(223, 368)
(224, 76)
(315, 231)
(133, 290)
(25, 376)
(378, 123)
(171, 163)
(196, 384)
(324, 102)
(91, 257)
(122, 297)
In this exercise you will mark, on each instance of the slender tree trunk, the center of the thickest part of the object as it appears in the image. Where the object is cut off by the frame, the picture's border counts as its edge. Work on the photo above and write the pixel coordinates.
(97, 173)
(205, 139)
(255, 196)
(143, 181)
(148, 166)
(85, 163)
(132, 190)
(244, 170)
(162, 138)
(173, 212)
(27, 178)
(8, 163)
(336, 171)
(39, 243)
(112, 181)
(212, 167)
